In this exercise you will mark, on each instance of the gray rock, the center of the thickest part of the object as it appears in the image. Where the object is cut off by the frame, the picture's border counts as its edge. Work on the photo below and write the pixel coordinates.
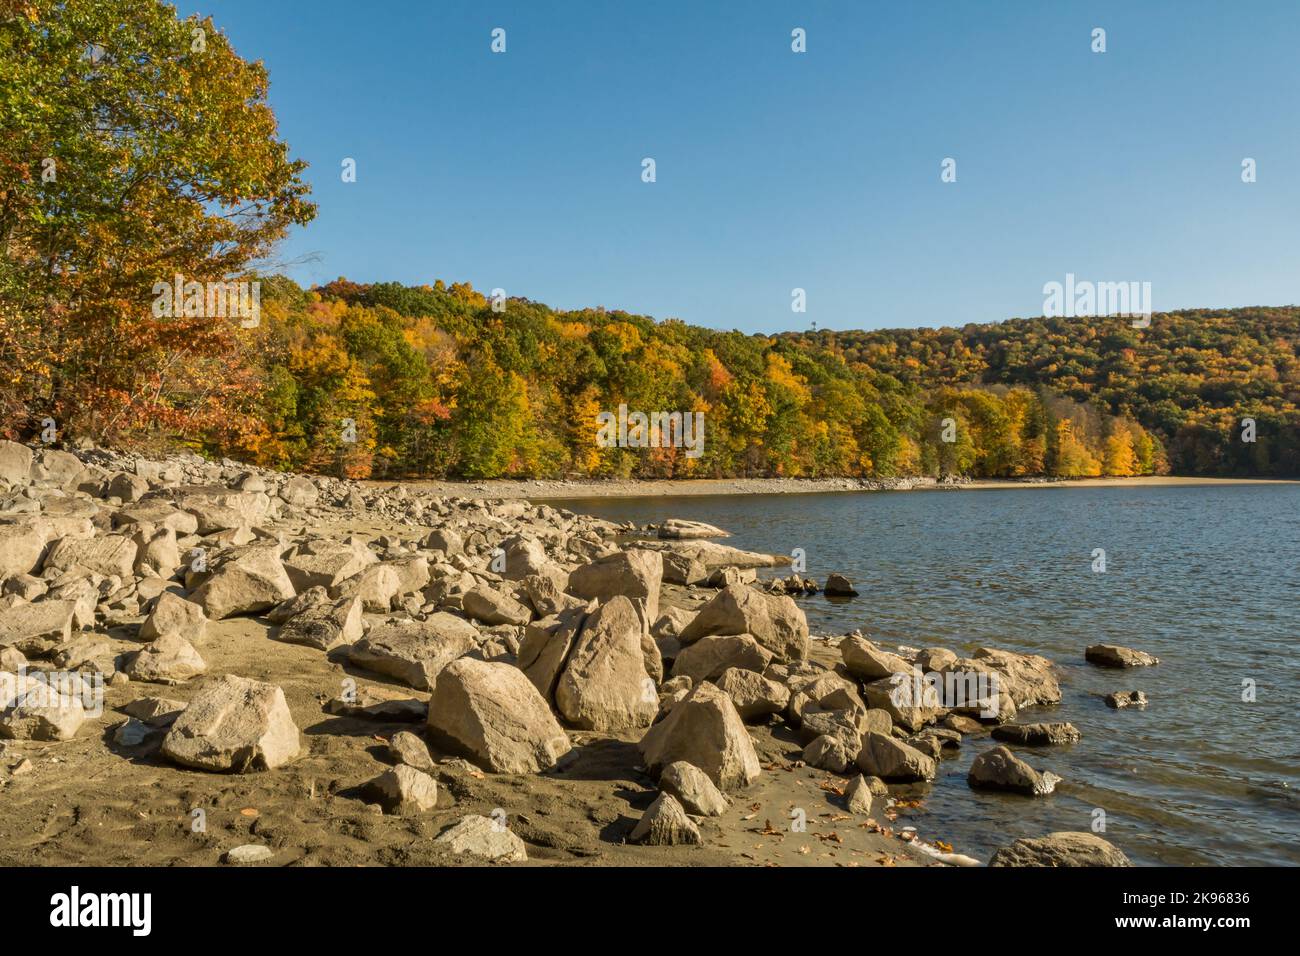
(1000, 769)
(234, 725)
(1112, 655)
(1038, 735)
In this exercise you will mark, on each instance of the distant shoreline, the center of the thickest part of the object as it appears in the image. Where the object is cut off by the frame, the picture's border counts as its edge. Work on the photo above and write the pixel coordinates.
(700, 487)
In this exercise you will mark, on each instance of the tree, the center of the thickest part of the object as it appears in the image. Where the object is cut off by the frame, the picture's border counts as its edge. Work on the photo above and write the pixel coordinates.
(135, 147)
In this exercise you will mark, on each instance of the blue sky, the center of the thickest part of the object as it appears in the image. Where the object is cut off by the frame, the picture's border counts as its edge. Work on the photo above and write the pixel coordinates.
(778, 170)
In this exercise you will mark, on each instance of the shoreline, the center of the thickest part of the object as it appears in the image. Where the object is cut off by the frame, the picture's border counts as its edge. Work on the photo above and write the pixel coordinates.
(703, 487)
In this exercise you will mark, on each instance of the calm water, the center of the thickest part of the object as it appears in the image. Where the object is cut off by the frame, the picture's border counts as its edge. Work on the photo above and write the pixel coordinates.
(1205, 578)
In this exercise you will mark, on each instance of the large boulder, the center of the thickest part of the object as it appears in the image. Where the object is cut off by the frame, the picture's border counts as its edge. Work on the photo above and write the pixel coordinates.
(327, 564)
(776, 622)
(325, 625)
(415, 652)
(22, 545)
(109, 555)
(693, 789)
(172, 614)
(403, 789)
(545, 648)
(168, 660)
(42, 621)
(492, 714)
(220, 509)
(891, 759)
(1066, 848)
(704, 729)
(754, 695)
(635, 573)
(493, 607)
(1000, 769)
(15, 462)
(865, 661)
(709, 657)
(605, 685)
(234, 725)
(31, 709)
(250, 581)
(299, 492)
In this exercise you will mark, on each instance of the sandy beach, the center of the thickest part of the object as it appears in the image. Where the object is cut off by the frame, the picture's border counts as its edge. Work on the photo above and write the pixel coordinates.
(633, 488)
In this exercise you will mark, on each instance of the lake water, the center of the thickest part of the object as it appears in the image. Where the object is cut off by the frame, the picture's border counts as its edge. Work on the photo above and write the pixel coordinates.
(1205, 578)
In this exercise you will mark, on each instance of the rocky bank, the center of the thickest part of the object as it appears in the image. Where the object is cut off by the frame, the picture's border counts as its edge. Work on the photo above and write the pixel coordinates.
(201, 662)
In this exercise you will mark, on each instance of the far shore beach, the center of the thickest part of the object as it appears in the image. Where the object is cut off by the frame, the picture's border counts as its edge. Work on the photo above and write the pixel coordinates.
(667, 488)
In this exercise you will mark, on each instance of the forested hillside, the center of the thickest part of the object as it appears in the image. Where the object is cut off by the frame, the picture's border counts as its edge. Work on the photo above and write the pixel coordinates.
(385, 380)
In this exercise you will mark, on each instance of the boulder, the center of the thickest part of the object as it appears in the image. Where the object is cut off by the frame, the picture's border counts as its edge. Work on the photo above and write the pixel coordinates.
(754, 695)
(299, 492)
(829, 752)
(891, 759)
(1121, 699)
(605, 685)
(326, 625)
(1038, 735)
(403, 789)
(109, 555)
(234, 724)
(1112, 655)
(544, 651)
(484, 838)
(22, 545)
(377, 587)
(865, 661)
(415, 652)
(693, 789)
(858, 796)
(1060, 849)
(15, 463)
(158, 552)
(172, 614)
(632, 574)
(168, 660)
(776, 622)
(910, 702)
(837, 585)
(683, 569)
(250, 581)
(704, 729)
(492, 714)
(37, 711)
(406, 748)
(1000, 769)
(679, 529)
(42, 621)
(709, 657)
(492, 607)
(665, 823)
(220, 509)
(327, 564)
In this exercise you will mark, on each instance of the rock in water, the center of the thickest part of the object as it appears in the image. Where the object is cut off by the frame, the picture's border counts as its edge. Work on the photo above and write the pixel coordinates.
(605, 685)
(404, 789)
(1038, 735)
(1061, 849)
(1126, 698)
(704, 730)
(1112, 655)
(866, 661)
(665, 823)
(1000, 769)
(234, 725)
(776, 622)
(693, 789)
(482, 837)
(837, 585)
(494, 715)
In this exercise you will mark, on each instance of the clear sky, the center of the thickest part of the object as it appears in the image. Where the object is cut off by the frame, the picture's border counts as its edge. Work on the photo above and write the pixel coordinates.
(778, 170)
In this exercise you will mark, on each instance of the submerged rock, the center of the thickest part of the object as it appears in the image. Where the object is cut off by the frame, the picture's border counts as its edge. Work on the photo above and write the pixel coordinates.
(1068, 848)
